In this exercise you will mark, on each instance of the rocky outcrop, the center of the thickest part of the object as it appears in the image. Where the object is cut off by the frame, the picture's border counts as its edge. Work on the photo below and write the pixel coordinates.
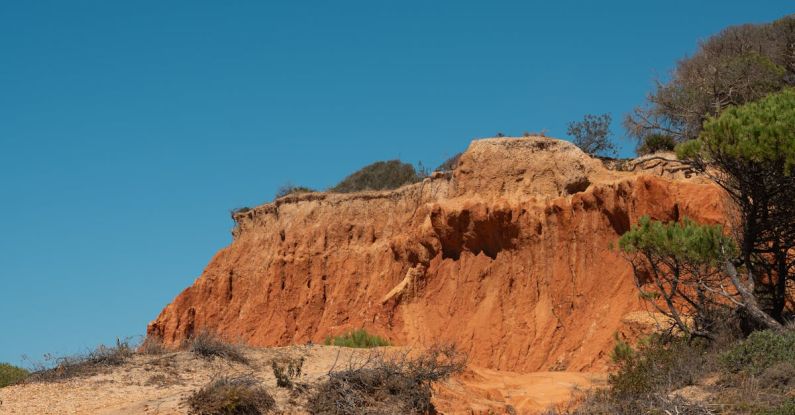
(509, 256)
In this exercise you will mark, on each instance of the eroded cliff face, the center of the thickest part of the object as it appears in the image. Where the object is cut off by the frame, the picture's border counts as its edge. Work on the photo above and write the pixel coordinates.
(509, 256)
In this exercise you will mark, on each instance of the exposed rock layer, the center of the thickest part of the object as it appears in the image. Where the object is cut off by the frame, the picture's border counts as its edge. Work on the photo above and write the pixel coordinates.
(509, 256)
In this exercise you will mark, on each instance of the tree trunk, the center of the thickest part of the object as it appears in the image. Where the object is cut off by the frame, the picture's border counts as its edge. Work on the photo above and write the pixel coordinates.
(749, 301)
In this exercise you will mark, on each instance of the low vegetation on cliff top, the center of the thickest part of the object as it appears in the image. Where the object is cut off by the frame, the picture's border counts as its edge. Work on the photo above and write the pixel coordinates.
(10, 374)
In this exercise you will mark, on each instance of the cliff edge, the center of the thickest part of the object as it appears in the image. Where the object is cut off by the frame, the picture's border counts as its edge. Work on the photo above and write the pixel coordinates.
(508, 256)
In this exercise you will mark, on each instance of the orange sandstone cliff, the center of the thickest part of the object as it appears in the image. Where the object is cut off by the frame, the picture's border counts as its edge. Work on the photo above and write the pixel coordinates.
(509, 256)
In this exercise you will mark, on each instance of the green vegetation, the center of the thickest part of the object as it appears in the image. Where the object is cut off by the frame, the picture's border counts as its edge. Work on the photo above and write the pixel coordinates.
(241, 395)
(750, 152)
(357, 338)
(10, 375)
(654, 143)
(741, 64)
(592, 134)
(381, 175)
(760, 351)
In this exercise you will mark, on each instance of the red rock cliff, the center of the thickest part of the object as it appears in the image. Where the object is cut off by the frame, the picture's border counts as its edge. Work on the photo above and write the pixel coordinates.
(509, 256)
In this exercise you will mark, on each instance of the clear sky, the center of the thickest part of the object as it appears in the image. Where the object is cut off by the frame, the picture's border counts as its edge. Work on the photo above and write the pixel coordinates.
(128, 130)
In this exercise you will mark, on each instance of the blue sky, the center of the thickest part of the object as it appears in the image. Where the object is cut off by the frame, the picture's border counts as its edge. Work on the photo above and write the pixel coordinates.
(128, 130)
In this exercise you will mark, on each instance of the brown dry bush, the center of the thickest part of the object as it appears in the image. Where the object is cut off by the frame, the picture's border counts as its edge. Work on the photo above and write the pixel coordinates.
(384, 385)
(287, 371)
(152, 346)
(207, 345)
(94, 362)
(242, 395)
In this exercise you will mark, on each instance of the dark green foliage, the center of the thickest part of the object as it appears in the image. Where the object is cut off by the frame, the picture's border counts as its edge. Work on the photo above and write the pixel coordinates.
(10, 375)
(654, 143)
(386, 386)
(381, 175)
(207, 345)
(741, 64)
(750, 152)
(99, 360)
(682, 264)
(592, 134)
(687, 241)
(760, 351)
(231, 396)
(289, 188)
(358, 339)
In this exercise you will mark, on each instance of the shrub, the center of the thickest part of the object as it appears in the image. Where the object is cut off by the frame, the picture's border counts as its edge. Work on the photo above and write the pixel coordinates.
(760, 351)
(381, 175)
(786, 408)
(657, 366)
(231, 396)
(386, 386)
(152, 346)
(289, 188)
(286, 371)
(592, 134)
(96, 361)
(10, 374)
(207, 345)
(357, 338)
(654, 143)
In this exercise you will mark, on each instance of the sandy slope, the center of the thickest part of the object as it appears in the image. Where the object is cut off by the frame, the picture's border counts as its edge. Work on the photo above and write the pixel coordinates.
(158, 385)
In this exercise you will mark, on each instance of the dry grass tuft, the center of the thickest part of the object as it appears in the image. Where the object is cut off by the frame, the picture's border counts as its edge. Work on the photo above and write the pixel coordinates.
(208, 346)
(242, 395)
(386, 386)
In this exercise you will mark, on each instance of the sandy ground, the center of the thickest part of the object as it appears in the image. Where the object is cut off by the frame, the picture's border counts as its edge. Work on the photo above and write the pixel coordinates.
(159, 384)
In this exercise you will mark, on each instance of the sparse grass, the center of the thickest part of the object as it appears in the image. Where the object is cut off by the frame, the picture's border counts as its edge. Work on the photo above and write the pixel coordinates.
(96, 361)
(11, 375)
(450, 164)
(386, 386)
(243, 395)
(358, 339)
(207, 345)
(289, 188)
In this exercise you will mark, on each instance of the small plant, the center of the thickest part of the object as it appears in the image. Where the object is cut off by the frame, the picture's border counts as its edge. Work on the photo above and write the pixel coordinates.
(386, 386)
(152, 346)
(242, 395)
(207, 345)
(622, 351)
(287, 371)
(358, 339)
(11, 375)
(96, 361)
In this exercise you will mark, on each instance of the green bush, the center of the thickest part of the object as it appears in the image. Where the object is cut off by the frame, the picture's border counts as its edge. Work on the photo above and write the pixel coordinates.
(10, 374)
(654, 143)
(787, 408)
(357, 338)
(381, 175)
(656, 366)
(761, 350)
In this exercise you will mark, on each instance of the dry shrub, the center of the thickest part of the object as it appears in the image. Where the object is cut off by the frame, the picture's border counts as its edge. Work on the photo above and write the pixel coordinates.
(94, 362)
(242, 395)
(384, 385)
(286, 371)
(152, 346)
(207, 345)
